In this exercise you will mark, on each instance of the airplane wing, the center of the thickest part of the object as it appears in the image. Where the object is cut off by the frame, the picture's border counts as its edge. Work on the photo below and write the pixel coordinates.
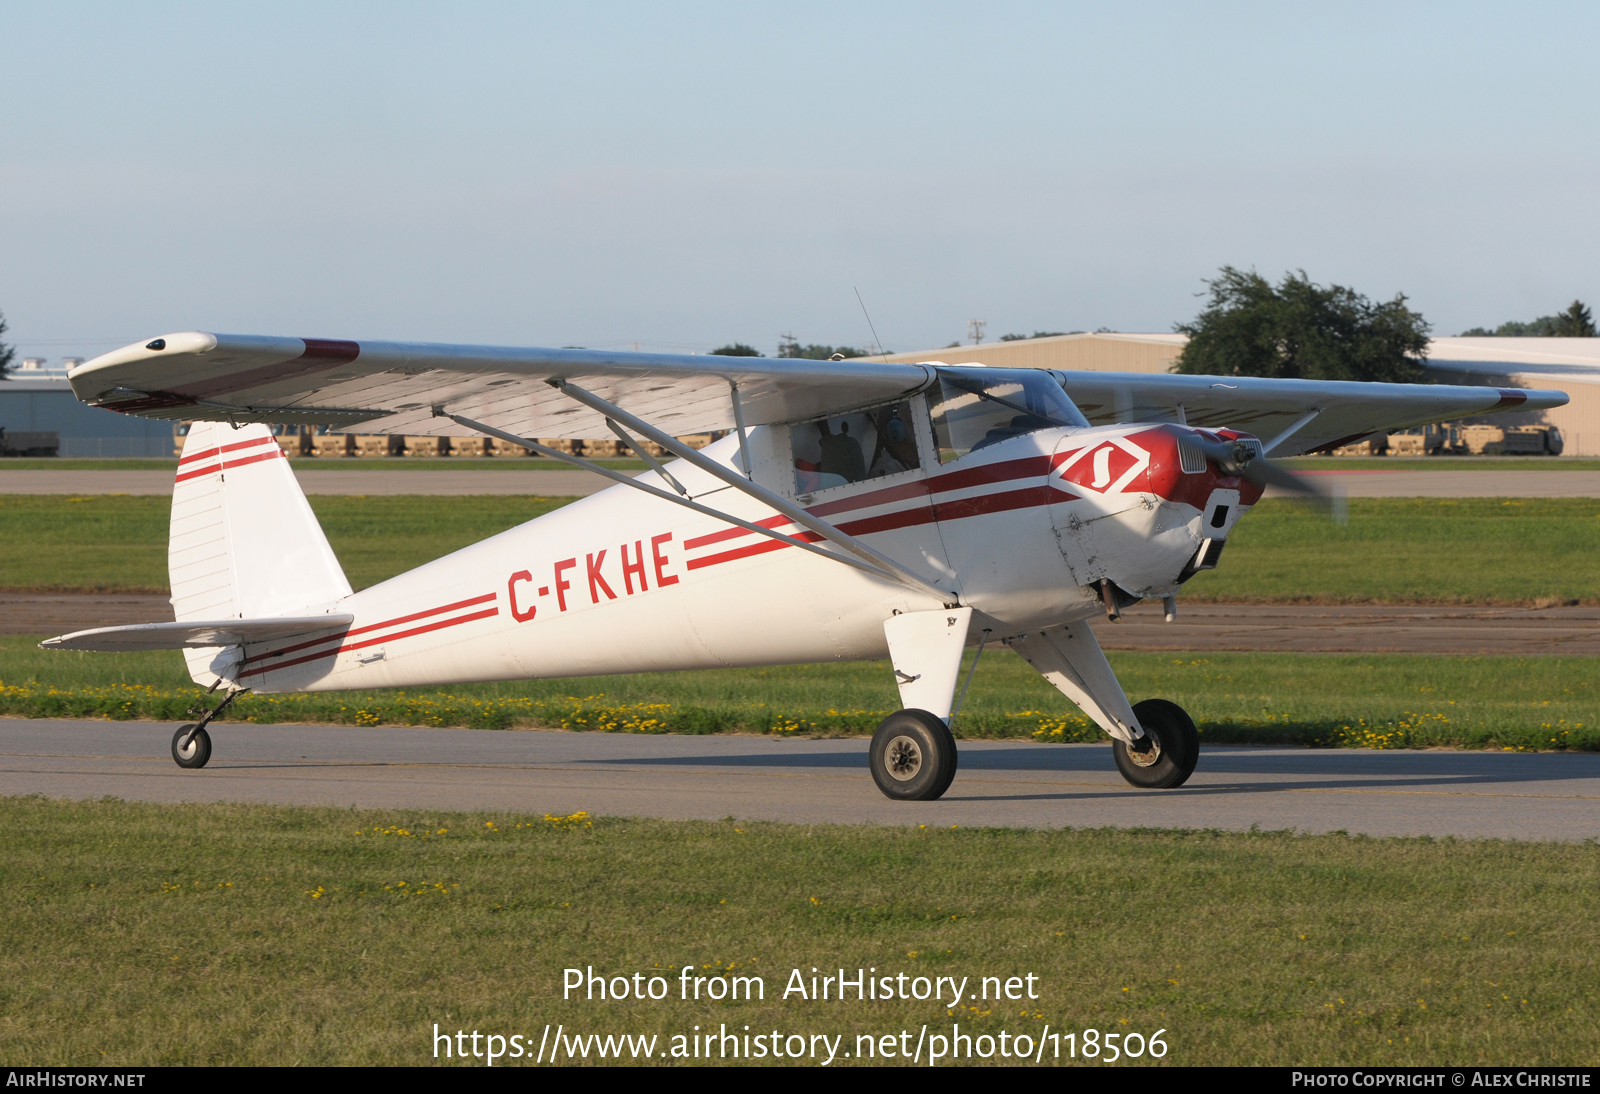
(203, 635)
(1315, 413)
(391, 387)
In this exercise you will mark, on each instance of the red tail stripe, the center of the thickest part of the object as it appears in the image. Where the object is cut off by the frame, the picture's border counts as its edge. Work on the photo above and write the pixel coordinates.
(276, 454)
(484, 599)
(206, 454)
(184, 476)
(348, 646)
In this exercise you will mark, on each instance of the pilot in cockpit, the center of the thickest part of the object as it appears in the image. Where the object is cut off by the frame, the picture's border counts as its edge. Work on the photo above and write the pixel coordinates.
(841, 453)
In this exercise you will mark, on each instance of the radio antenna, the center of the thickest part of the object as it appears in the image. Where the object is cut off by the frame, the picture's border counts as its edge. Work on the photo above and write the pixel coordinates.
(881, 351)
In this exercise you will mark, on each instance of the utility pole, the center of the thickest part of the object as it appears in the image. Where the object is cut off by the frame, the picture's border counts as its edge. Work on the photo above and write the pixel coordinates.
(975, 329)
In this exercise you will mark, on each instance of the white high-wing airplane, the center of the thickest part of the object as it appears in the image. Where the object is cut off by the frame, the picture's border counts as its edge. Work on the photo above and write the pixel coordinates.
(858, 510)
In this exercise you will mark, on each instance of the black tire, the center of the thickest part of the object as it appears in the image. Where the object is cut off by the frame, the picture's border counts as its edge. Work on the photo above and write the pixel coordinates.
(913, 756)
(198, 753)
(1175, 744)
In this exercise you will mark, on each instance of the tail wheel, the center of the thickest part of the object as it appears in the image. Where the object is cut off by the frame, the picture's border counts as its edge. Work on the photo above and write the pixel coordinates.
(1172, 747)
(913, 756)
(197, 753)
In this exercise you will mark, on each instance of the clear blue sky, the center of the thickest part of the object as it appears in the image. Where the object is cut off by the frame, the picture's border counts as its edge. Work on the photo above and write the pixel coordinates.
(684, 175)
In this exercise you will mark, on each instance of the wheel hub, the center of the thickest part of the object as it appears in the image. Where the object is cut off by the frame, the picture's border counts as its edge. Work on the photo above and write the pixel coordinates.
(903, 758)
(1151, 753)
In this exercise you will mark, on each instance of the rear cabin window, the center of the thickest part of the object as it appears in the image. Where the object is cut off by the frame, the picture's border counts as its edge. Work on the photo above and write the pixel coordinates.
(847, 448)
(977, 407)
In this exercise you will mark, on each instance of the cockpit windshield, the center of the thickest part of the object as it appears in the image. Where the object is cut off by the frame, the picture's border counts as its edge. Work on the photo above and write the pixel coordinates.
(977, 407)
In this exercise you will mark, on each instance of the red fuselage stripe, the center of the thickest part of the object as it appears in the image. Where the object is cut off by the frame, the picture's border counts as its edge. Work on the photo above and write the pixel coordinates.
(1005, 471)
(348, 646)
(369, 628)
(1002, 502)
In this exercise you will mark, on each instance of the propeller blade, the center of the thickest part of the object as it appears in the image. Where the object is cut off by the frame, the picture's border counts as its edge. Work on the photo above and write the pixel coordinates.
(1265, 472)
(1245, 459)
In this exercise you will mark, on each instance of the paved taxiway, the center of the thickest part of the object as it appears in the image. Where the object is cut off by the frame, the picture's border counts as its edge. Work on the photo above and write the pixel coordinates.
(1464, 483)
(1468, 794)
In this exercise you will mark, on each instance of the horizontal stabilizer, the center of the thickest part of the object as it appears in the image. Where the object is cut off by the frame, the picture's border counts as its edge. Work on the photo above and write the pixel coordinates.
(194, 635)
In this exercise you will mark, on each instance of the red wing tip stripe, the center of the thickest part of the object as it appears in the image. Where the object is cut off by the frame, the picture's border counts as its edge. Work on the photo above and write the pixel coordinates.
(330, 349)
(1510, 398)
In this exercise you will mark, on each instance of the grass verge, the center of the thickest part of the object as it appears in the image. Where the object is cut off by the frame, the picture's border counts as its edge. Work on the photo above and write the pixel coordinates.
(1329, 700)
(1394, 550)
(232, 934)
(118, 543)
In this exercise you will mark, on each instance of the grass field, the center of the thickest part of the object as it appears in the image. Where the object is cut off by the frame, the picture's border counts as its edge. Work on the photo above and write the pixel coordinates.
(1442, 463)
(1395, 550)
(119, 543)
(1239, 698)
(223, 934)
(1412, 551)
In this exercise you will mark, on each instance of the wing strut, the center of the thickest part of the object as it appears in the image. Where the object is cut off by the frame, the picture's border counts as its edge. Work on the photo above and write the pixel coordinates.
(627, 480)
(643, 454)
(1294, 427)
(738, 423)
(759, 493)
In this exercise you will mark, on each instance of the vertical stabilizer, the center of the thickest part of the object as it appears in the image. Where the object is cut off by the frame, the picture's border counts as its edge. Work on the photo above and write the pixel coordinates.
(244, 542)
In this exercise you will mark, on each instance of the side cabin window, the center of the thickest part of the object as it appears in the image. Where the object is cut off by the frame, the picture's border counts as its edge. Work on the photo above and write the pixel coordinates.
(973, 408)
(847, 448)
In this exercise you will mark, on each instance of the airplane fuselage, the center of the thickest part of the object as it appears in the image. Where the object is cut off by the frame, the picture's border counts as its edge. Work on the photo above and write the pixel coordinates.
(1024, 531)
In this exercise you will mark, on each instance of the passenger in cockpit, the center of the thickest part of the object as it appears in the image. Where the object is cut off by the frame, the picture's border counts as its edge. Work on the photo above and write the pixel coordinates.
(841, 454)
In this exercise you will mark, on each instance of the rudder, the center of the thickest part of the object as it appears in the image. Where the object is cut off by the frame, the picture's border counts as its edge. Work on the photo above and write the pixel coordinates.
(244, 543)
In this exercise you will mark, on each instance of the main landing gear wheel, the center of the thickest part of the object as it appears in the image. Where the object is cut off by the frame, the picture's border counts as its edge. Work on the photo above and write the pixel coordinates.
(1172, 747)
(198, 752)
(913, 756)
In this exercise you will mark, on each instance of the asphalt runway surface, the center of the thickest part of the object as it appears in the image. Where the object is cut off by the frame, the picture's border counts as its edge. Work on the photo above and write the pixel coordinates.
(1525, 796)
(1297, 628)
(1382, 483)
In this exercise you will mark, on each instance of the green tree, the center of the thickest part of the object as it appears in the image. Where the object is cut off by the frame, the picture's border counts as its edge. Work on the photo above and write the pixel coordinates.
(788, 347)
(1575, 322)
(737, 349)
(1302, 330)
(1035, 334)
(7, 353)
